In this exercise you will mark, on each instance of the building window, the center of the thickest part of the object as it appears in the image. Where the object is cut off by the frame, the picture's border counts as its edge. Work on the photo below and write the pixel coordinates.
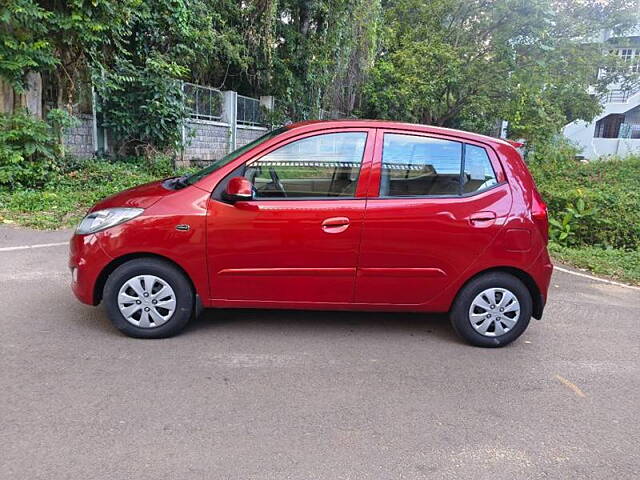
(609, 126)
(631, 56)
(626, 54)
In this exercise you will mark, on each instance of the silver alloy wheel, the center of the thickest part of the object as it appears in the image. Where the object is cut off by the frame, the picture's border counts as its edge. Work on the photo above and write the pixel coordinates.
(494, 312)
(146, 301)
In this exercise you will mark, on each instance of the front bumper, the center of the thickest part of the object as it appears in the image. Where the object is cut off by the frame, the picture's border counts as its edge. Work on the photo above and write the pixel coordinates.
(87, 260)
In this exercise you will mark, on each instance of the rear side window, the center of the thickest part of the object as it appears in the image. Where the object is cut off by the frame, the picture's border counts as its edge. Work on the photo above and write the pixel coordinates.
(478, 172)
(423, 166)
(413, 165)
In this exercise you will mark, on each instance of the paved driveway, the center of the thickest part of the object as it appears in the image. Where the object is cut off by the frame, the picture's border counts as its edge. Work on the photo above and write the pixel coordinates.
(311, 395)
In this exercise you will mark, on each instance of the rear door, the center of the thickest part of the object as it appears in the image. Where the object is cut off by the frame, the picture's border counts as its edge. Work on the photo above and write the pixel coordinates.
(438, 202)
(297, 240)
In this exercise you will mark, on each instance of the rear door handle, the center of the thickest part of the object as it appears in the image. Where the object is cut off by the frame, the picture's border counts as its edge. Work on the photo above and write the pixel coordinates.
(335, 224)
(482, 219)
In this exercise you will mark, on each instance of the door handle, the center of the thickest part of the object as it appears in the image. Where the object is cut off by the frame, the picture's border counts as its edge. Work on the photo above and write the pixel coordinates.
(335, 224)
(482, 219)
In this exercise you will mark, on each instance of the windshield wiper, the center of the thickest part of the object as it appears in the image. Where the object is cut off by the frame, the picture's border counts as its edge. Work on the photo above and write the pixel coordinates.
(181, 182)
(176, 183)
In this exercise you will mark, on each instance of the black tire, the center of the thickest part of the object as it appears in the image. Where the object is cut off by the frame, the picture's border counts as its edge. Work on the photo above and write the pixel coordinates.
(459, 313)
(184, 297)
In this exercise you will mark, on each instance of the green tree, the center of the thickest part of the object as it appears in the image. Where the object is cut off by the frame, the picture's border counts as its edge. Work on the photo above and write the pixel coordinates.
(324, 49)
(24, 44)
(469, 63)
(138, 82)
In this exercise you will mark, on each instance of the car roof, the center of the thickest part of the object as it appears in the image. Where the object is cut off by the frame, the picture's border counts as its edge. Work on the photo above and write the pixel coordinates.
(310, 125)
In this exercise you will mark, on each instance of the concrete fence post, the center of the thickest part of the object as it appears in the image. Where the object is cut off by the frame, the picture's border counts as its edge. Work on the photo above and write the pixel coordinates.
(230, 116)
(94, 120)
(268, 102)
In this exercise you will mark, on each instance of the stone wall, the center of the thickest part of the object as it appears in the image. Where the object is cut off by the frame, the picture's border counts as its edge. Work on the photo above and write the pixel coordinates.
(205, 141)
(248, 134)
(78, 141)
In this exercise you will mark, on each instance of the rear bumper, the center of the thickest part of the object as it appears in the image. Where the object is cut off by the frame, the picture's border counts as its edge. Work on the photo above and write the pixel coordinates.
(541, 271)
(87, 260)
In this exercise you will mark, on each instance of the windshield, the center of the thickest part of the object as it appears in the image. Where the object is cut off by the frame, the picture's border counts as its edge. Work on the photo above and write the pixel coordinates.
(228, 158)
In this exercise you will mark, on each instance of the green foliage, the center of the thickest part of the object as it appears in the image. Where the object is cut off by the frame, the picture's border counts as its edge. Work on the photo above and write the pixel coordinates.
(65, 198)
(568, 226)
(457, 63)
(29, 150)
(141, 97)
(23, 40)
(594, 209)
(61, 37)
(315, 54)
(468, 63)
(591, 204)
(154, 124)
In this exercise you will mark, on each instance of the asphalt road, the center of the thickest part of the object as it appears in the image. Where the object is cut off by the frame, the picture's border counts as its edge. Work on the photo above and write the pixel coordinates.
(311, 395)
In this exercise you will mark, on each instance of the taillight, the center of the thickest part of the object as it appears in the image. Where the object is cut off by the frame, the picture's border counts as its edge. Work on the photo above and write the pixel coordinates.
(540, 216)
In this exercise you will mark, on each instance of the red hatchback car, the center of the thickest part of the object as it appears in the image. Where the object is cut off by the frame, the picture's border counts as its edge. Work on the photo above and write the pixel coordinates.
(341, 215)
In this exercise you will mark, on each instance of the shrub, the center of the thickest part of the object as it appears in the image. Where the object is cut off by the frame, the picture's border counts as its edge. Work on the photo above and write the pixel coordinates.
(595, 203)
(570, 226)
(64, 199)
(30, 149)
(143, 108)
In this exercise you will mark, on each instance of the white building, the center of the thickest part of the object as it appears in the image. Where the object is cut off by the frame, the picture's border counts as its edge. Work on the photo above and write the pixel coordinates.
(616, 131)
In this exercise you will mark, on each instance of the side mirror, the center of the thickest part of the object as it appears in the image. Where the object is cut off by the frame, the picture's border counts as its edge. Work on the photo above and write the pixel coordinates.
(238, 189)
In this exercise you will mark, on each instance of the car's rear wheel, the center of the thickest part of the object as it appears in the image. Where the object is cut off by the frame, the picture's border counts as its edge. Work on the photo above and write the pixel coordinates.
(148, 298)
(492, 310)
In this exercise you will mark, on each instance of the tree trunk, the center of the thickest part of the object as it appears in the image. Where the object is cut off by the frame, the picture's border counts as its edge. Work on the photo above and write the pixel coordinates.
(30, 98)
(33, 94)
(6, 92)
(305, 16)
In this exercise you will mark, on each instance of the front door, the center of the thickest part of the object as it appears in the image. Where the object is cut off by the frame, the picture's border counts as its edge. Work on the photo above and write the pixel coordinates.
(438, 205)
(297, 240)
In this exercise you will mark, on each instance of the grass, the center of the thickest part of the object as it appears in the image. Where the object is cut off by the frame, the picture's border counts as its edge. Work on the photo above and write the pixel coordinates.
(618, 264)
(65, 200)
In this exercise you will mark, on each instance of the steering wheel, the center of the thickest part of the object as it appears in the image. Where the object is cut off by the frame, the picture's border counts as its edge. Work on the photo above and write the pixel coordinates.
(276, 181)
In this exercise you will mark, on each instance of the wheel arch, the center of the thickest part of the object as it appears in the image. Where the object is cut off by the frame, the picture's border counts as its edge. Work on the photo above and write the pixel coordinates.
(524, 277)
(98, 288)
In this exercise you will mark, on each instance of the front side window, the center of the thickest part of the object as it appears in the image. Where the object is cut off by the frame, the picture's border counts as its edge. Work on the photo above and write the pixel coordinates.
(326, 165)
(418, 166)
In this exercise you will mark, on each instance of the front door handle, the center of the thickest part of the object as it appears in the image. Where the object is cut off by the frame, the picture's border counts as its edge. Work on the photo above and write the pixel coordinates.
(482, 219)
(335, 224)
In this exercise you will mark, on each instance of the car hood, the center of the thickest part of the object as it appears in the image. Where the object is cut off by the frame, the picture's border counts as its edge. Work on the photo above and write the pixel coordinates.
(142, 196)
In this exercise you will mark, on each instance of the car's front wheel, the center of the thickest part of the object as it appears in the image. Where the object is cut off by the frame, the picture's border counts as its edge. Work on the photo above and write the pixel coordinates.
(148, 298)
(492, 310)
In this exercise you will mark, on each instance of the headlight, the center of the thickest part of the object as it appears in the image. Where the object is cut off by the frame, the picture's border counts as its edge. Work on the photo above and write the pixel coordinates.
(109, 217)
